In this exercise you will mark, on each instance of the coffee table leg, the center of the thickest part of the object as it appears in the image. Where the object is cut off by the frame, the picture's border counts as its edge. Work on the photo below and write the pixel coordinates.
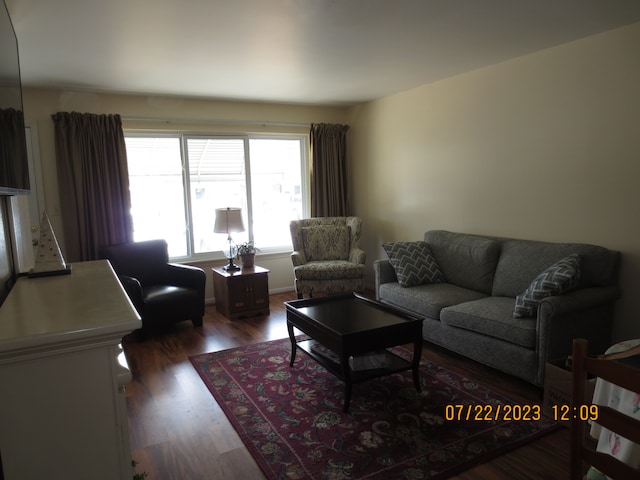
(347, 383)
(294, 345)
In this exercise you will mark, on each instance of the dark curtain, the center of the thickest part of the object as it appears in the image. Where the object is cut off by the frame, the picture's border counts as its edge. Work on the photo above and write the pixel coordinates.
(14, 170)
(94, 183)
(329, 195)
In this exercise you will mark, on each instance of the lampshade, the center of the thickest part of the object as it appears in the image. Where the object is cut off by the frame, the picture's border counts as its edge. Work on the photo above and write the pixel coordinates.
(228, 220)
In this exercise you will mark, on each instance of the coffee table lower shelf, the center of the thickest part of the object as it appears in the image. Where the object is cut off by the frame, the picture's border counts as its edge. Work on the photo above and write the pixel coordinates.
(394, 364)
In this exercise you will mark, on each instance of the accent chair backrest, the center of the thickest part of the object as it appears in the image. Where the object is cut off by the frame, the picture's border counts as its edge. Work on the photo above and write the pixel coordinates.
(145, 261)
(326, 238)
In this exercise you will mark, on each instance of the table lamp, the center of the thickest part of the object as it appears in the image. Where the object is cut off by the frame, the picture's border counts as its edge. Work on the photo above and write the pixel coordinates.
(229, 220)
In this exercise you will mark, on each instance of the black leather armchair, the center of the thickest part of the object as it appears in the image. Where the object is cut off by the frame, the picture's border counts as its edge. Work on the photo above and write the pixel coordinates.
(161, 292)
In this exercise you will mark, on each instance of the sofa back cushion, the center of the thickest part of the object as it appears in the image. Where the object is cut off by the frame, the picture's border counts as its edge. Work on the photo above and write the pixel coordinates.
(468, 261)
(523, 260)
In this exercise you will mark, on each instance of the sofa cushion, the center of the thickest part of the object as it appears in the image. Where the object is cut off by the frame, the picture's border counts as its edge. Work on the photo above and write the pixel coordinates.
(492, 316)
(465, 260)
(329, 270)
(326, 242)
(413, 263)
(428, 299)
(168, 302)
(522, 260)
(559, 278)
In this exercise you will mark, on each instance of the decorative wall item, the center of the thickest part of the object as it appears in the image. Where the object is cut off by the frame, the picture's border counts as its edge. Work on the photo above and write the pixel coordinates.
(49, 259)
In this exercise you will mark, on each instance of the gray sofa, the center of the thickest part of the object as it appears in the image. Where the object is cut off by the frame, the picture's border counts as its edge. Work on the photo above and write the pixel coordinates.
(471, 312)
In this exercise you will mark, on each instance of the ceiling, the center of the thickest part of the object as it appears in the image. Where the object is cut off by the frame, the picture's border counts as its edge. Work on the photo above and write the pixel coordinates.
(337, 52)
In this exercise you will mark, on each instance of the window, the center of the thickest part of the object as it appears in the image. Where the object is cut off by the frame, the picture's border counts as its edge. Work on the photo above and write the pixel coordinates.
(177, 182)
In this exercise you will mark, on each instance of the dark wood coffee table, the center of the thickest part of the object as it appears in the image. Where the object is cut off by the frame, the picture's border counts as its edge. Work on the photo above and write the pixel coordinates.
(352, 325)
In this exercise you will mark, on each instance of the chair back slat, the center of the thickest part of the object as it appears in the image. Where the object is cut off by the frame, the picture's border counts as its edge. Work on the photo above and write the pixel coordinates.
(620, 423)
(613, 372)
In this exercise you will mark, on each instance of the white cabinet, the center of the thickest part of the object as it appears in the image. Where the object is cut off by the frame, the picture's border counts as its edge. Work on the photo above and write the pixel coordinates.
(62, 375)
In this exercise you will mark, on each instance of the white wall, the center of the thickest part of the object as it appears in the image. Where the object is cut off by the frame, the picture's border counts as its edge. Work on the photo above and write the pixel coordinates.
(544, 147)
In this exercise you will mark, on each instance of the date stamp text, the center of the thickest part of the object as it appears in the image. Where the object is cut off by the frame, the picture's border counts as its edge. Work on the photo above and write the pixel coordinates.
(490, 413)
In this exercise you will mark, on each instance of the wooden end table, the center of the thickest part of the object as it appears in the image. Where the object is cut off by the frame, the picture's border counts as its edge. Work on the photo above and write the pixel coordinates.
(352, 325)
(241, 293)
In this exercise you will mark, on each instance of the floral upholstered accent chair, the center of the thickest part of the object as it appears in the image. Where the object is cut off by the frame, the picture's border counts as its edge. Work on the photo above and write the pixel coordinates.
(326, 257)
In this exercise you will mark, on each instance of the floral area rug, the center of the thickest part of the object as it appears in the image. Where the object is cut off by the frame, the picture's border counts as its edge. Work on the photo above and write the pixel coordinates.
(291, 419)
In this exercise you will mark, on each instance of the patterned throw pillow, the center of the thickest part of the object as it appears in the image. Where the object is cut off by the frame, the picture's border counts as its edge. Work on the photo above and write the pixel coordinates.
(559, 278)
(413, 263)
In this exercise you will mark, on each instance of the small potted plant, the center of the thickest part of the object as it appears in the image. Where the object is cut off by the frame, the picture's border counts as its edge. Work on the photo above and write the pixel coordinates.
(247, 253)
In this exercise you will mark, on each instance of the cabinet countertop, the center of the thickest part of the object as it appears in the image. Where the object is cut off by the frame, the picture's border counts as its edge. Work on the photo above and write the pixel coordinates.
(87, 305)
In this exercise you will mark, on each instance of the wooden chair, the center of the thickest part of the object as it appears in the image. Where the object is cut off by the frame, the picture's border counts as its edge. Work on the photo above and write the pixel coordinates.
(583, 447)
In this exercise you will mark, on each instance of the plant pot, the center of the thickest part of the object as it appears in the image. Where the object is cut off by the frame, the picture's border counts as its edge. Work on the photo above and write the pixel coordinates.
(248, 260)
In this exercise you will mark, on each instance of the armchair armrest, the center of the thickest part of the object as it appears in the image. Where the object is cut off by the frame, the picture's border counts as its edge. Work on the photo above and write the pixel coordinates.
(187, 276)
(134, 290)
(298, 258)
(357, 255)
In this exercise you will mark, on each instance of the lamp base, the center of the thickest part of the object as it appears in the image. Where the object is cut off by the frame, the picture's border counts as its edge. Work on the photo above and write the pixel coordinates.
(231, 267)
(230, 252)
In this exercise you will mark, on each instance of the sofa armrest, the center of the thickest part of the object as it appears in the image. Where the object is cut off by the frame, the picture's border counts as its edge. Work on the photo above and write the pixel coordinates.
(298, 258)
(383, 273)
(357, 255)
(583, 313)
(187, 276)
(581, 299)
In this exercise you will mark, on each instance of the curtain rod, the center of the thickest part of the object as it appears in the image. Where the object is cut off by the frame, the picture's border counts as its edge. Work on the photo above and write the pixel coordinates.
(216, 121)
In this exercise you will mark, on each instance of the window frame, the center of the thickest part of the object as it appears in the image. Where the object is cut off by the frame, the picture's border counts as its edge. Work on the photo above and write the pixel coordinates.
(183, 137)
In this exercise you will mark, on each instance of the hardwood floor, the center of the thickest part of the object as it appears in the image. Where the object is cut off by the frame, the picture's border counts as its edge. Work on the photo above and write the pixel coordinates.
(179, 432)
